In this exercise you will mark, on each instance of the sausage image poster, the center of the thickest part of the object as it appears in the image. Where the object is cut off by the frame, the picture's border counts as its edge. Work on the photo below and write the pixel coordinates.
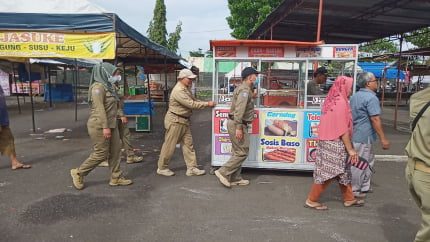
(280, 137)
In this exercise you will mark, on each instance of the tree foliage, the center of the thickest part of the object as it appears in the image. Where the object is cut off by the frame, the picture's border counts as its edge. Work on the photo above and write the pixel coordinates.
(380, 46)
(197, 53)
(247, 15)
(157, 27)
(419, 38)
(157, 31)
(174, 37)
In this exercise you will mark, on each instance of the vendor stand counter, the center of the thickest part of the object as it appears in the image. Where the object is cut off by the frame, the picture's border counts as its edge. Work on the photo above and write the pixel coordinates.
(284, 132)
(139, 112)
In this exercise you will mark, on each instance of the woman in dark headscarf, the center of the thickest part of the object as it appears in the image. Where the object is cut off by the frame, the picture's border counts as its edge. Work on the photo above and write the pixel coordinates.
(334, 146)
(102, 126)
(7, 143)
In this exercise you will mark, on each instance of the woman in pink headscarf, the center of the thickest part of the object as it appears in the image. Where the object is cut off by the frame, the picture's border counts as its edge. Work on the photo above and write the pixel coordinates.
(334, 146)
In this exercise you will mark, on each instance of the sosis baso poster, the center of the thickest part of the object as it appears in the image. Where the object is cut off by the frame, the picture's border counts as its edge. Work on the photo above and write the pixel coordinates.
(280, 139)
(221, 140)
(310, 134)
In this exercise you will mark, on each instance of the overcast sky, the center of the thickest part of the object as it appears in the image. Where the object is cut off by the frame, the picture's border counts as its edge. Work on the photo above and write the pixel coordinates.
(202, 20)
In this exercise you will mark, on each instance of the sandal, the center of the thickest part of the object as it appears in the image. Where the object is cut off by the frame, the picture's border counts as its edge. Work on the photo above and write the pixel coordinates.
(21, 166)
(316, 206)
(355, 203)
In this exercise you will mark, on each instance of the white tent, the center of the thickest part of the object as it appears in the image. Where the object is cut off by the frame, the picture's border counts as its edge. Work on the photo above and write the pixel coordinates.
(236, 72)
(50, 6)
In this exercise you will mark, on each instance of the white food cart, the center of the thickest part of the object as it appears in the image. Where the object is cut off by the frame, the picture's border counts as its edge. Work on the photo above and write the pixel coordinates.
(285, 129)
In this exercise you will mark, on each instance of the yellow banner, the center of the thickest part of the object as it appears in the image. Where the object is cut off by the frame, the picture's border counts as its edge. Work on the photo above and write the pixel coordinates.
(70, 45)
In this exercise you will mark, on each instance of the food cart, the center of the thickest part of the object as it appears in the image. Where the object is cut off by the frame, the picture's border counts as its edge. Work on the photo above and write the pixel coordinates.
(284, 132)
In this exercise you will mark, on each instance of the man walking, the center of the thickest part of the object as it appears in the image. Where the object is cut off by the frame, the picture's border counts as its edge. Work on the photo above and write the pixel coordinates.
(367, 124)
(418, 151)
(177, 124)
(240, 116)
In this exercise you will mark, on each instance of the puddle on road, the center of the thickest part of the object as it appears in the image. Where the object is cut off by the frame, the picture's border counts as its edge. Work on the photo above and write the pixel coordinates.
(66, 206)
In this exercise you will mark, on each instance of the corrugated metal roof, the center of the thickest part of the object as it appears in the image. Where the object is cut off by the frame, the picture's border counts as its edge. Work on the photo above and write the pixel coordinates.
(343, 21)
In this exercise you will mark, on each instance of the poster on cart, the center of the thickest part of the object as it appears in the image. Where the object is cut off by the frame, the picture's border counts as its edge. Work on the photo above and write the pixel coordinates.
(222, 148)
(223, 145)
(310, 134)
(344, 52)
(311, 122)
(280, 137)
(311, 148)
(220, 122)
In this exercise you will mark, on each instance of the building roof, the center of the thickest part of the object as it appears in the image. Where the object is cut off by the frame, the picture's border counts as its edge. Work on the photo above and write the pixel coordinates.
(343, 21)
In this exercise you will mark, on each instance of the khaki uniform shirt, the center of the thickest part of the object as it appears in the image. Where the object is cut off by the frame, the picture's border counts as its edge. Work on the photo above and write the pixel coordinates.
(104, 107)
(181, 104)
(242, 106)
(419, 145)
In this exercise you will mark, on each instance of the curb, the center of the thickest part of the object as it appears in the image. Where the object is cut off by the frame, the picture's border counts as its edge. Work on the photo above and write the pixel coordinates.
(392, 158)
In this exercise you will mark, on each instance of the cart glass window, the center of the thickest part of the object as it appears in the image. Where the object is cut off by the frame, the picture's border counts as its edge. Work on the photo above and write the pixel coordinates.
(282, 83)
(228, 77)
(318, 85)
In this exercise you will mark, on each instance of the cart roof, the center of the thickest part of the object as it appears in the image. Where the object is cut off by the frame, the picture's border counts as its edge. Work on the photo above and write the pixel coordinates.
(214, 43)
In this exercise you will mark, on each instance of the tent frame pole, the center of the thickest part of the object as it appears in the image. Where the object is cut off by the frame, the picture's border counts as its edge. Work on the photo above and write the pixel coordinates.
(16, 87)
(50, 86)
(166, 92)
(76, 77)
(398, 83)
(31, 97)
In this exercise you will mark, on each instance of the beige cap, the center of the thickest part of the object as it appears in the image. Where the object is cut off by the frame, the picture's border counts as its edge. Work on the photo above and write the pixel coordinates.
(185, 73)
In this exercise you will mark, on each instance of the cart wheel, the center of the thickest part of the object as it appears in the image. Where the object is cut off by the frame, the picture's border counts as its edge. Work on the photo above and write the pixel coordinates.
(212, 170)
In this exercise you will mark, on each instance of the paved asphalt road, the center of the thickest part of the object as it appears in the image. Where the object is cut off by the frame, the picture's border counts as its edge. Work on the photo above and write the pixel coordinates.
(41, 205)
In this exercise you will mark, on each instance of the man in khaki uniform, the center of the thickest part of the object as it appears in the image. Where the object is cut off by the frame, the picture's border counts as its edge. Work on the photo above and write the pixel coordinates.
(102, 126)
(240, 116)
(177, 124)
(418, 168)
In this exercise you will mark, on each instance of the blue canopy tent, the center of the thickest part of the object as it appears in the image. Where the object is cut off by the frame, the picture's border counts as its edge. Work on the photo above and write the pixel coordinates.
(381, 70)
(81, 16)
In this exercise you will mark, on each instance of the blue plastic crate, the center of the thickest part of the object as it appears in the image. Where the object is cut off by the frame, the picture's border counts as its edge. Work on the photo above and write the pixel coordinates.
(138, 108)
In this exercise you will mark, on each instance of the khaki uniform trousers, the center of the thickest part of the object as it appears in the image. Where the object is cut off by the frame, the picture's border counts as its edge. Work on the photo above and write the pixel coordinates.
(177, 133)
(233, 167)
(124, 135)
(418, 182)
(103, 149)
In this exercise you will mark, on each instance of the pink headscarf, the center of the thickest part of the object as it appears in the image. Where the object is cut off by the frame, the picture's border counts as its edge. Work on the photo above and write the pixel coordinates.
(336, 117)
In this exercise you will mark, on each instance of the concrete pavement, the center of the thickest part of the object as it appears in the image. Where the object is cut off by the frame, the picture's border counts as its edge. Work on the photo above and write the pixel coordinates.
(40, 204)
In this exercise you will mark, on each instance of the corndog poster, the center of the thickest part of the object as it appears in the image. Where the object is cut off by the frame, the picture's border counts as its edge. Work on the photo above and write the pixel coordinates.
(280, 137)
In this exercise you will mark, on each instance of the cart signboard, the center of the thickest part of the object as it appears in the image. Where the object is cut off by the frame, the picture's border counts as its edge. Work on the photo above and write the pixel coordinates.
(344, 51)
(266, 52)
(225, 51)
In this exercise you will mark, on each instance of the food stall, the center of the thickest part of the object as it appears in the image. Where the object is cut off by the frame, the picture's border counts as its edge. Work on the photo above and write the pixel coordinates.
(284, 132)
